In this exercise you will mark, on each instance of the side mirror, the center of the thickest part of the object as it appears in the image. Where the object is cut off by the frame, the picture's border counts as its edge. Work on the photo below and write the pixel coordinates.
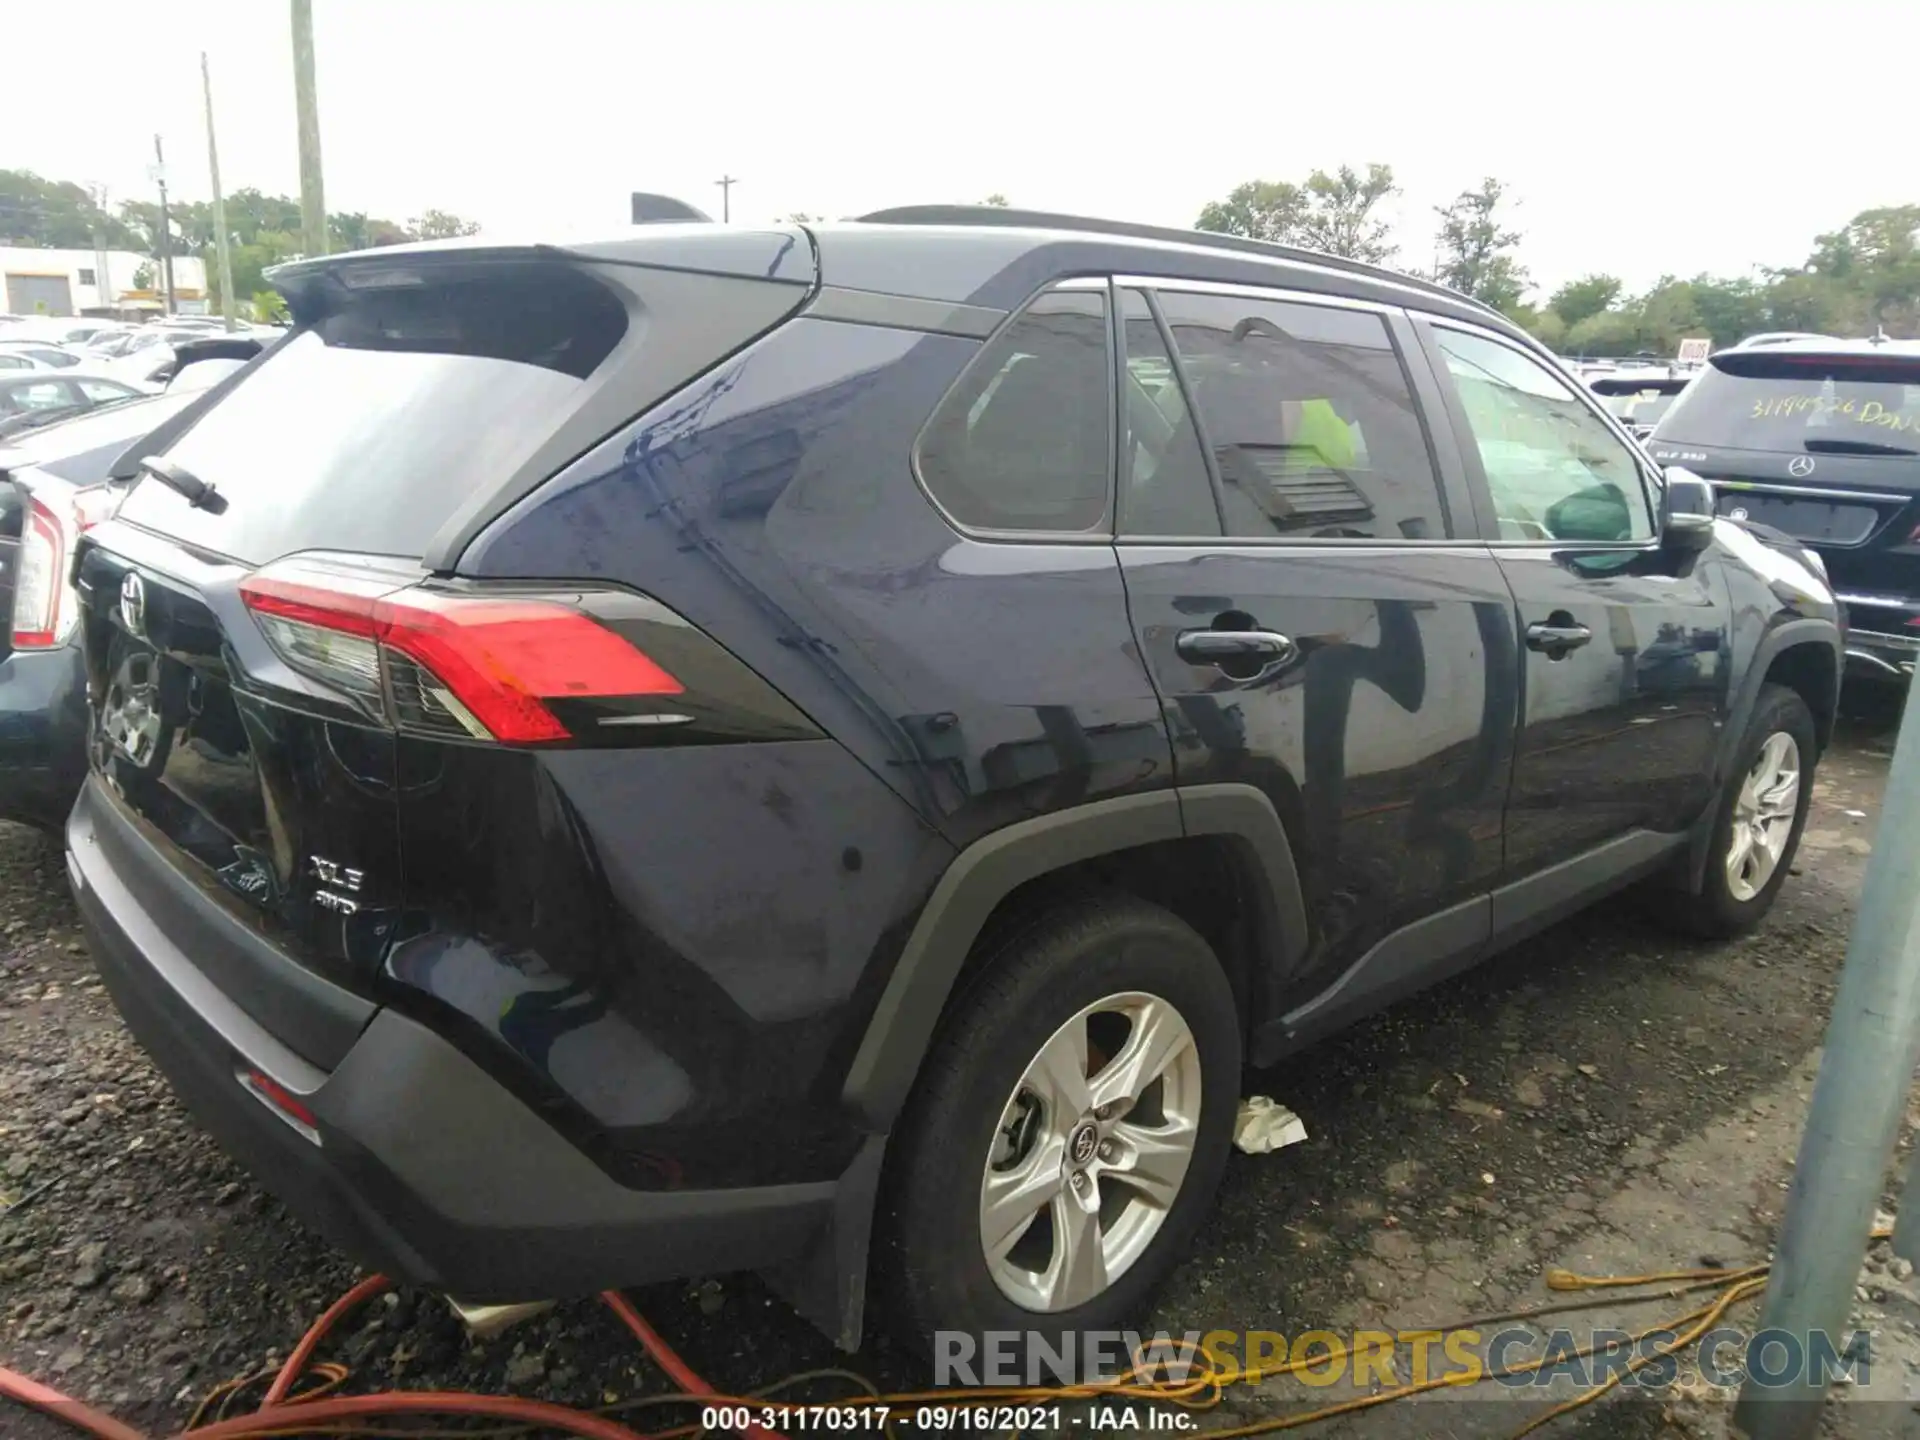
(1687, 519)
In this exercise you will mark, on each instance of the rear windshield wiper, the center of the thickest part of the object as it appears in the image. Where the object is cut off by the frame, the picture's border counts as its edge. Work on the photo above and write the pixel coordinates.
(1856, 447)
(182, 481)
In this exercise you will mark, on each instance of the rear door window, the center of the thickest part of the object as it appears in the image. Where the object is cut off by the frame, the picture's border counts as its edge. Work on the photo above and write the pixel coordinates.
(368, 430)
(1165, 490)
(1777, 400)
(1311, 420)
(1024, 440)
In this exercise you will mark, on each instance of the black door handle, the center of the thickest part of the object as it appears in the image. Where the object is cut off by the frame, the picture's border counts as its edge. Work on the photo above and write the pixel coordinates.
(1242, 653)
(1557, 640)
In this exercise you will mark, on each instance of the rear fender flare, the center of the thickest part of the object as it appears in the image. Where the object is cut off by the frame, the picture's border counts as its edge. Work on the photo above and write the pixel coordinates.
(901, 1029)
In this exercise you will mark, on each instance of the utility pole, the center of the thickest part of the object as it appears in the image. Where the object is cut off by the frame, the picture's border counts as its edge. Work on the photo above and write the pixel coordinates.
(166, 224)
(102, 267)
(726, 184)
(222, 242)
(1866, 1070)
(313, 201)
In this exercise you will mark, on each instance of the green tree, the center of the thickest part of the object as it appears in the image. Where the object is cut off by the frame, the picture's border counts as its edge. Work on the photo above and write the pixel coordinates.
(1337, 214)
(1268, 210)
(1476, 249)
(1332, 213)
(1876, 254)
(1611, 332)
(1729, 309)
(54, 213)
(143, 278)
(1547, 327)
(440, 225)
(1589, 295)
(996, 199)
(269, 307)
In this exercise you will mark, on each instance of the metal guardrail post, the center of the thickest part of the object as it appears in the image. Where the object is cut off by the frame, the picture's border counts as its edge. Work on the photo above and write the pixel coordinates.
(1866, 1070)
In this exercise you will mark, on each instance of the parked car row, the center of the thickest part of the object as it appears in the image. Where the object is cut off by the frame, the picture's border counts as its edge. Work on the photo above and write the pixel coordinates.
(772, 749)
(1819, 438)
(56, 481)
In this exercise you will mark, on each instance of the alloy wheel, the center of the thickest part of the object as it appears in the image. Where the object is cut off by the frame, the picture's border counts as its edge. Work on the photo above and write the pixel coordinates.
(1090, 1152)
(1763, 815)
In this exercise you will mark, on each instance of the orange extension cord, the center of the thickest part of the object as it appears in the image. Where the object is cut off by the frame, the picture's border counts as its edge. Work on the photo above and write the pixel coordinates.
(278, 1415)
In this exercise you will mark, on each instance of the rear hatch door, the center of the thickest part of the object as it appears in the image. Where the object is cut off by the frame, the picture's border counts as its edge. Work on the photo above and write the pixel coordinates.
(248, 772)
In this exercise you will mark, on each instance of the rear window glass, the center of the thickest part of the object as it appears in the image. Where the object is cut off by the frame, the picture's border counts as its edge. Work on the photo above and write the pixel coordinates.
(1803, 404)
(368, 430)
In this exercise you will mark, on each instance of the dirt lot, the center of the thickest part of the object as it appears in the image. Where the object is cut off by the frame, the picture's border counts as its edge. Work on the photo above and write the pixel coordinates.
(1603, 1096)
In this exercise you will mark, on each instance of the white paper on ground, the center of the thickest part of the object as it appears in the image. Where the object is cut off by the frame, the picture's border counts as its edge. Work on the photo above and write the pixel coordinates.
(1264, 1124)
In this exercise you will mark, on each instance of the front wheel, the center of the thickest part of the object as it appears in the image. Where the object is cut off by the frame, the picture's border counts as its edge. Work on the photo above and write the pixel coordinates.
(1070, 1128)
(1762, 810)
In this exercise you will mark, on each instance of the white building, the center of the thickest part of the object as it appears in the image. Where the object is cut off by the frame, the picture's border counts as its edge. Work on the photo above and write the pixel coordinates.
(66, 282)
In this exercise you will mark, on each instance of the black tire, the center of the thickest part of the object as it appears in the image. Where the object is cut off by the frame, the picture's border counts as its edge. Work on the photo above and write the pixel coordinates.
(931, 1267)
(1714, 911)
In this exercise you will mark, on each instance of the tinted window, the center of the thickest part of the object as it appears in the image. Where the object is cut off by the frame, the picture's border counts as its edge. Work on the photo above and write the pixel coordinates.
(368, 430)
(1166, 489)
(36, 395)
(1023, 440)
(1311, 422)
(1556, 471)
(100, 391)
(1812, 404)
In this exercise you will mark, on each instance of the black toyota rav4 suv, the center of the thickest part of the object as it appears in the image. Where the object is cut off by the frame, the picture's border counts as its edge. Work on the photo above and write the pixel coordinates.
(732, 748)
(1820, 438)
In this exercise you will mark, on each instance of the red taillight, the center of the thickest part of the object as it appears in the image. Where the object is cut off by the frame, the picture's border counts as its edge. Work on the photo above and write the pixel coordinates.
(490, 664)
(39, 584)
(44, 605)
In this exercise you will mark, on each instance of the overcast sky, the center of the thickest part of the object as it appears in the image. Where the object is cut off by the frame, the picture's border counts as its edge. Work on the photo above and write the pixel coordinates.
(1636, 138)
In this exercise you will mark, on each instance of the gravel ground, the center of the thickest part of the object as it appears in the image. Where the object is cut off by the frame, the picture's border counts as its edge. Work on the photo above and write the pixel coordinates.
(1458, 1143)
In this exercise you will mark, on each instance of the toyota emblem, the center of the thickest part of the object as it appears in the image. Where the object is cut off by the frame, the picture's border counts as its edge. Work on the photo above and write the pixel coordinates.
(133, 604)
(1800, 465)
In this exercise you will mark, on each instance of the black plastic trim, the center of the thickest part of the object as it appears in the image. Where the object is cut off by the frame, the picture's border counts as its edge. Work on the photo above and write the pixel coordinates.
(903, 1022)
(1413, 957)
(902, 1025)
(464, 1188)
(1807, 630)
(301, 1013)
(904, 312)
(1527, 906)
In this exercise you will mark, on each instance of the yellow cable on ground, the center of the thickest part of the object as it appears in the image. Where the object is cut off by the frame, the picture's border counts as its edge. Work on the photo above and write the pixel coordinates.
(1203, 1390)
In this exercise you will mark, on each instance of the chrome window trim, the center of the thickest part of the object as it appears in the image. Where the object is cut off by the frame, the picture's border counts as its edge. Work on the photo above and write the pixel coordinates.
(1344, 277)
(1649, 485)
(1385, 549)
(1252, 292)
(1765, 487)
(1879, 602)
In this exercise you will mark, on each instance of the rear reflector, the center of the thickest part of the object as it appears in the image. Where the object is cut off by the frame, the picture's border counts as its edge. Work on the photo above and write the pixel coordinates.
(486, 664)
(277, 1098)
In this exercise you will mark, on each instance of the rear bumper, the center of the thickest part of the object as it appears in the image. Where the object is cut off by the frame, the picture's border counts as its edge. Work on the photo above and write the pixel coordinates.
(425, 1168)
(43, 735)
(1881, 641)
